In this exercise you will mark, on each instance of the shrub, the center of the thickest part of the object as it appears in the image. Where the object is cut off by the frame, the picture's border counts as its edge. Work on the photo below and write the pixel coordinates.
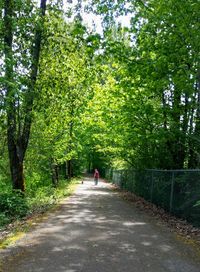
(13, 204)
(4, 219)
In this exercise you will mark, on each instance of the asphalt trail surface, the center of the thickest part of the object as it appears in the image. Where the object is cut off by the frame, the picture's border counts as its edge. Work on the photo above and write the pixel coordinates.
(96, 231)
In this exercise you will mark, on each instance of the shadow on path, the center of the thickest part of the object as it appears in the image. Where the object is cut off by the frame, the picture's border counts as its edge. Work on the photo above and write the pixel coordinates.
(96, 231)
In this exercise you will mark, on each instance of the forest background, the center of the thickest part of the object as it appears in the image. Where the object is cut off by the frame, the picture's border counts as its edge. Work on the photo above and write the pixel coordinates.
(73, 98)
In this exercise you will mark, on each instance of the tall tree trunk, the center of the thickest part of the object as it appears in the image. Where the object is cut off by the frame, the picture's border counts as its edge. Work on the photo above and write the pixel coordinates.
(177, 151)
(183, 134)
(197, 127)
(164, 111)
(69, 169)
(89, 166)
(194, 146)
(191, 153)
(69, 162)
(17, 140)
(55, 173)
(16, 165)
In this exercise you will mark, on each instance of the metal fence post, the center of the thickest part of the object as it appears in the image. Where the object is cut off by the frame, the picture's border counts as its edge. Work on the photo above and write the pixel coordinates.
(171, 193)
(120, 180)
(133, 181)
(151, 196)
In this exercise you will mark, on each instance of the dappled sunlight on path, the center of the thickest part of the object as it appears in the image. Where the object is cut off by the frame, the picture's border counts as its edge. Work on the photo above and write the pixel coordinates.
(96, 231)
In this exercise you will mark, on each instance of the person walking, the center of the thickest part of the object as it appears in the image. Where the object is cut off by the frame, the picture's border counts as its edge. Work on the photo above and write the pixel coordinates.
(96, 176)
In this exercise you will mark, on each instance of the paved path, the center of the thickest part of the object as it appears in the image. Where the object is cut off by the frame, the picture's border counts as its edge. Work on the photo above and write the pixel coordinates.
(96, 231)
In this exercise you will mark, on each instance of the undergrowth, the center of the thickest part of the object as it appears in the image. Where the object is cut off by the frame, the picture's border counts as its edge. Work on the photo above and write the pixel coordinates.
(16, 206)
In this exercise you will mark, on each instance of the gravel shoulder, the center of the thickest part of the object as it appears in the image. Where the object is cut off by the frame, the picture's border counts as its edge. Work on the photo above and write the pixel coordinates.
(95, 230)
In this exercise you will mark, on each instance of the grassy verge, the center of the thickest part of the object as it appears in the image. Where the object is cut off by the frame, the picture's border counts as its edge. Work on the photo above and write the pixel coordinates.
(33, 209)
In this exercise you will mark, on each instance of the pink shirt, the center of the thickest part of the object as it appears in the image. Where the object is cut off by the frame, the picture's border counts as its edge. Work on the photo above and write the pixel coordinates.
(96, 174)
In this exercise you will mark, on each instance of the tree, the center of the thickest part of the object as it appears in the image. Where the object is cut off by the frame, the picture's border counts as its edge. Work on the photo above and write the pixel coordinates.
(64, 84)
(19, 88)
(158, 80)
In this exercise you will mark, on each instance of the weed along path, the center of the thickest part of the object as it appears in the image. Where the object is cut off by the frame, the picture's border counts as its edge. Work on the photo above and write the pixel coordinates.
(96, 231)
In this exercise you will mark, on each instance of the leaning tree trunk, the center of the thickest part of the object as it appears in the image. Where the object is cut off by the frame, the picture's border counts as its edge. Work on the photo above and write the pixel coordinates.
(18, 139)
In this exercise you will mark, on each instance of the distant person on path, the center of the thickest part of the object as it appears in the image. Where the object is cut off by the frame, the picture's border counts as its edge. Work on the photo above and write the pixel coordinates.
(96, 176)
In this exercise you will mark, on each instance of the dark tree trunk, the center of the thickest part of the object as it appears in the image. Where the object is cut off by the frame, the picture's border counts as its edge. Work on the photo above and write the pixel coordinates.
(194, 159)
(55, 174)
(191, 154)
(177, 147)
(69, 169)
(69, 166)
(17, 140)
(182, 135)
(16, 167)
(89, 166)
(164, 111)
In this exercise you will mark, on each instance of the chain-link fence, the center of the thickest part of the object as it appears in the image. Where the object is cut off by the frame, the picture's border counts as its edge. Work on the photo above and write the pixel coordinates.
(177, 191)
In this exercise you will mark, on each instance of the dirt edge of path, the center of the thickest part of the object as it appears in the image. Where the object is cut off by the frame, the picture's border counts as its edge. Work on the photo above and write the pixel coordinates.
(11, 233)
(183, 230)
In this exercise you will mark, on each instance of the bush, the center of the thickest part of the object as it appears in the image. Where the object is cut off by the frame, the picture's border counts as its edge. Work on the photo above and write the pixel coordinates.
(4, 219)
(13, 205)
